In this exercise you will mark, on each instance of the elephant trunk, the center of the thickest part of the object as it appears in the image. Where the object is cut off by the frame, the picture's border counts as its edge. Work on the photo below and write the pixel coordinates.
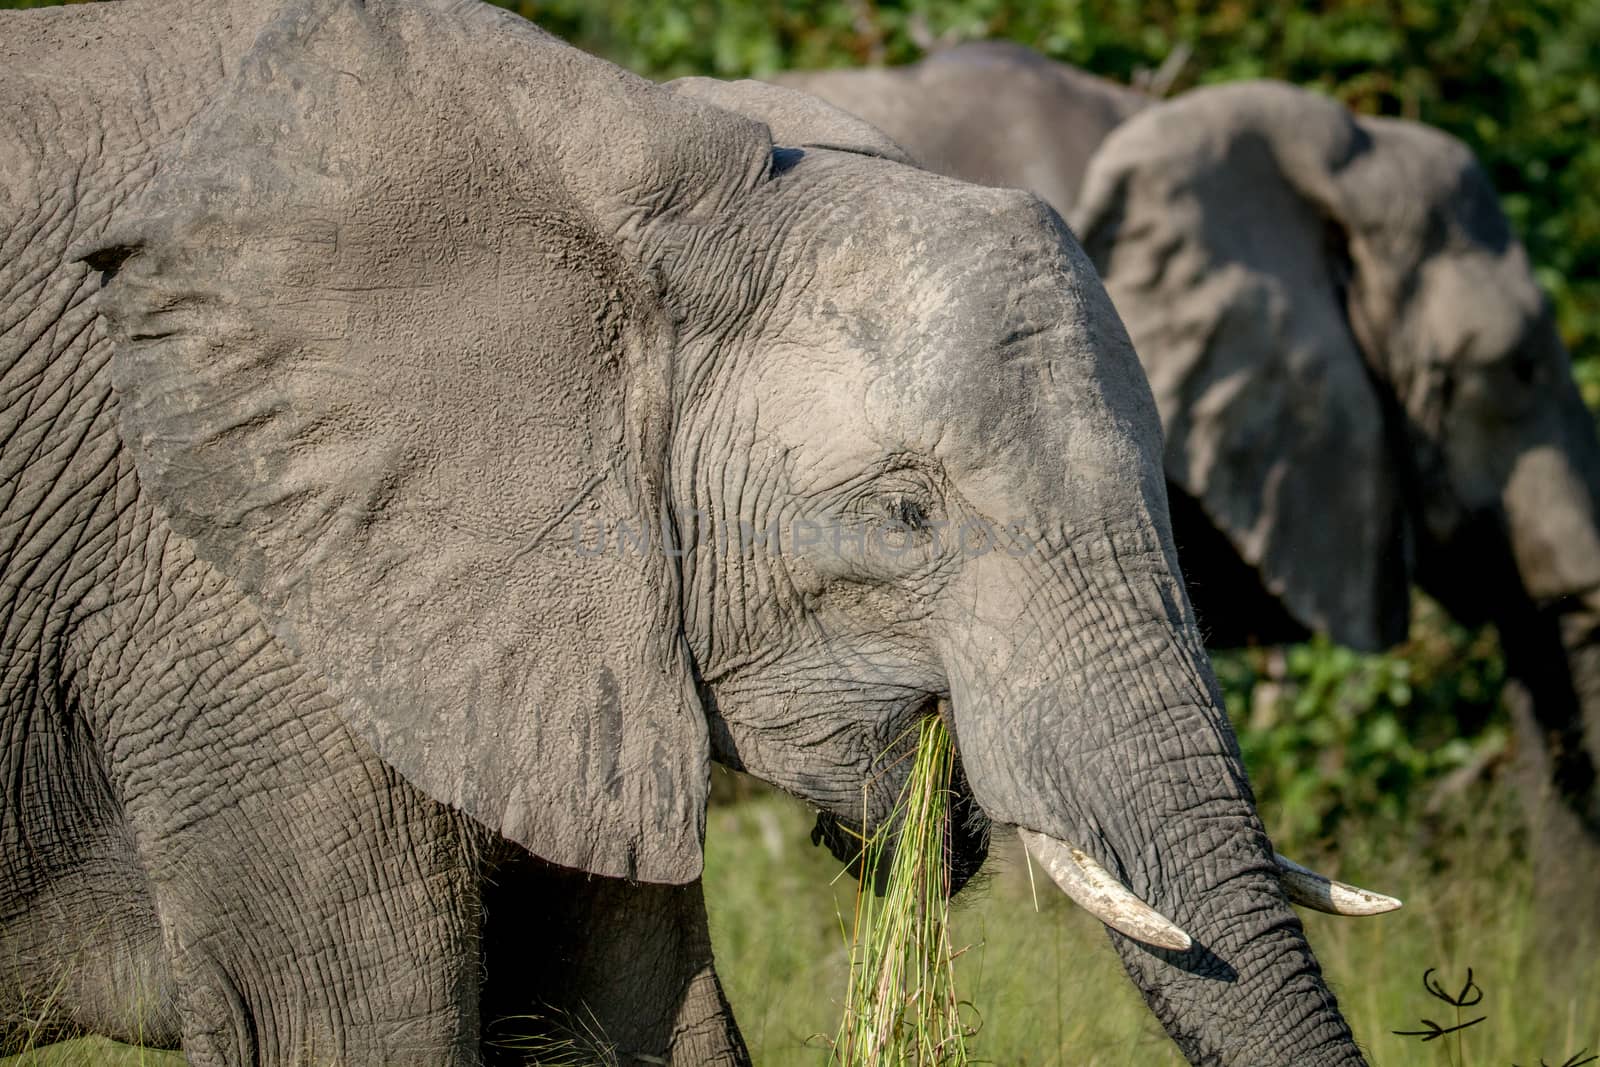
(1089, 719)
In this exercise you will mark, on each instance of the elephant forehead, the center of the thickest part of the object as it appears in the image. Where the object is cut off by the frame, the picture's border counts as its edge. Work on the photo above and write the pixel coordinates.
(965, 324)
(1020, 367)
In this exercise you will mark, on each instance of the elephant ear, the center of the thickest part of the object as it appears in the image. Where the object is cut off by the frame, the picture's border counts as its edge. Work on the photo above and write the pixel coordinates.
(385, 356)
(793, 117)
(1217, 222)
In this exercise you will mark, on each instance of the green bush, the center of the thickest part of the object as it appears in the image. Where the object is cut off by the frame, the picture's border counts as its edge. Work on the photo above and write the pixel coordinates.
(1332, 735)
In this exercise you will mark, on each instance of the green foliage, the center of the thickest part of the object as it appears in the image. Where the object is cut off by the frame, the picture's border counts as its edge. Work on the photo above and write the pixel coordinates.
(1330, 734)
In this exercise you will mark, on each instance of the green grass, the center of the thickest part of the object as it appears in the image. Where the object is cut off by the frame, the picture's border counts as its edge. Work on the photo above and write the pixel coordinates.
(1048, 989)
(93, 1052)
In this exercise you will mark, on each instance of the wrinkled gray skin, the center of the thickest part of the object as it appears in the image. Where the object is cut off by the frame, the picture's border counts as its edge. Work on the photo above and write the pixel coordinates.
(195, 847)
(1358, 377)
(327, 332)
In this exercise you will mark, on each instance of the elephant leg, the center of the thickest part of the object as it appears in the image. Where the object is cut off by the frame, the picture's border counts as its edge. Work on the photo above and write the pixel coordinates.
(599, 967)
(80, 947)
(1553, 668)
(1564, 845)
(704, 1031)
(313, 907)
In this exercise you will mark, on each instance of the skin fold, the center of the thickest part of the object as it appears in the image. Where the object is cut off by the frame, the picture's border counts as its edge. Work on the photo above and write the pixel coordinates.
(394, 410)
(1359, 379)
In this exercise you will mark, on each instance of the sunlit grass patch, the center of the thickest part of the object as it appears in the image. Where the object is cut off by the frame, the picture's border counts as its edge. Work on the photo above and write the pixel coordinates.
(92, 1052)
(1049, 991)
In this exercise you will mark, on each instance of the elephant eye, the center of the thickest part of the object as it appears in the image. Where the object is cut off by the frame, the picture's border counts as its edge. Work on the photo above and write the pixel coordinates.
(903, 510)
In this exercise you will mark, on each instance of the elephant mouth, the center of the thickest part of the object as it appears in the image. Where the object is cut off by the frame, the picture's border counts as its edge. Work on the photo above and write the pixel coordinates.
(1481, 545)
(969, 833)
(969, 828)
(1579, 603)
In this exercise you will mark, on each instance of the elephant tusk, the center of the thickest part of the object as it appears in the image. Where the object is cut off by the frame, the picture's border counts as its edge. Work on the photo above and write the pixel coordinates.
(1098, 892)
(1306, 887)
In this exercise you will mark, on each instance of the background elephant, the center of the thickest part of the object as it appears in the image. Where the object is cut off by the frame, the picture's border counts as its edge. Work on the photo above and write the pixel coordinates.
(1358, 376)
(1418, 385)
(993, 112)
(346, 342)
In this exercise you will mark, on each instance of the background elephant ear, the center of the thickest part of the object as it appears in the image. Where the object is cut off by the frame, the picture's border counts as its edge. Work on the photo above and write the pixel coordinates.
(1215, 220)
(793, 117)
(382, 355)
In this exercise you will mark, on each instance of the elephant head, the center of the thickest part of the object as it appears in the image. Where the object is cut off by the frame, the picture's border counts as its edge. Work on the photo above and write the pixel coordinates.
(1312, 291)
(1360, 380)
(574, 433)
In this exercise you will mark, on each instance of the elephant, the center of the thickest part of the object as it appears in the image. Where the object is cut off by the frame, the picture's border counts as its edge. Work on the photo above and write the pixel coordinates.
(991, 112)
(1359, 379)
(429, 446)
